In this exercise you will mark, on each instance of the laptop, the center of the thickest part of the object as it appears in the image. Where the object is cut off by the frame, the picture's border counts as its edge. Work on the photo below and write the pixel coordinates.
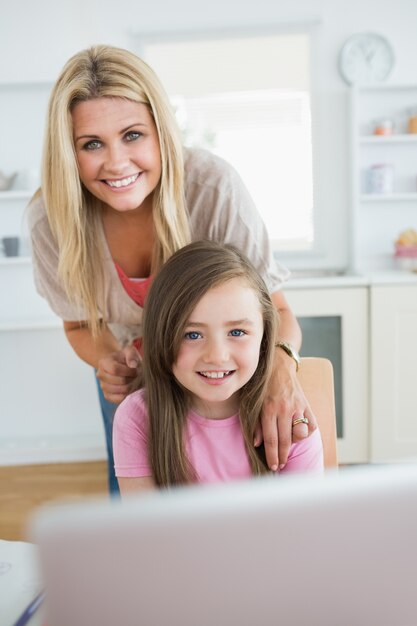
(334, 550)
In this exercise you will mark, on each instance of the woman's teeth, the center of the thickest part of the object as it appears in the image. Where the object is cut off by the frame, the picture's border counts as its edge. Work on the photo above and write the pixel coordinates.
(215, 374)
(123, 182)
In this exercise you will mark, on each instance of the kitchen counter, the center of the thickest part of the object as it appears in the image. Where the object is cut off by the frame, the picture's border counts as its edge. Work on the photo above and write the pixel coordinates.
(327, 279)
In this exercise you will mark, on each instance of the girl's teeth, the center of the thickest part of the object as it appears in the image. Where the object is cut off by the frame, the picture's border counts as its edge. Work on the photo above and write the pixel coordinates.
(214, 374)
(123, 182)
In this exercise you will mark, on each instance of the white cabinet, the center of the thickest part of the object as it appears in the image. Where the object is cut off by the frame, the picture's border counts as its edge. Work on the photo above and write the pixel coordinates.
(391, 160)
(335, 325)
(49, 408)
(393, 330)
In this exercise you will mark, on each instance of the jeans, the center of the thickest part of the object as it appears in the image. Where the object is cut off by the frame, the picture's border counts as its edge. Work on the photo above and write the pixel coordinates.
(107, 411)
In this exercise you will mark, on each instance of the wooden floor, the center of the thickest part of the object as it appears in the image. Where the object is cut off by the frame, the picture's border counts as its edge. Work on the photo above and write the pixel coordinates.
(24, 488)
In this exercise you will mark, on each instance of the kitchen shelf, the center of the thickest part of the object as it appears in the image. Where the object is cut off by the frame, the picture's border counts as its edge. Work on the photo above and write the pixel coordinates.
(8, 325)
(389, 197)
(388, 87)
(367, 105)
(15, 260)
(383, 139)
(27, 84)
(15, 194)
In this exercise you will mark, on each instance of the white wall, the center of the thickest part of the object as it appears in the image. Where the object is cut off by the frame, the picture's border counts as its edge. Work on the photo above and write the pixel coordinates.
(36, 38)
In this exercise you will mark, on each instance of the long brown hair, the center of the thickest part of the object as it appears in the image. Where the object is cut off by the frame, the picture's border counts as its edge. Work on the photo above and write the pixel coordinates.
(175, 292)
(74, 214)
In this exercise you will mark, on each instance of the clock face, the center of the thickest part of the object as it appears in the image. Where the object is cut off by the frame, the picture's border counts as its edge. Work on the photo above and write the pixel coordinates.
(366, 58)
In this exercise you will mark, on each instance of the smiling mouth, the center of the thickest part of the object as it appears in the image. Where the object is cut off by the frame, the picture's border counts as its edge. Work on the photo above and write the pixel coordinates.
(122, 182)
(216, 375)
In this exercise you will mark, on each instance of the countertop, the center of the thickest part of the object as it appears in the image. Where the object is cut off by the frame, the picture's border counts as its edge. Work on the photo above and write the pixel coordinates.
(327, 279)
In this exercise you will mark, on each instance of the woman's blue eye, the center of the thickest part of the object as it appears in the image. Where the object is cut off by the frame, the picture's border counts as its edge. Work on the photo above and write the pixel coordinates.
(192, 335)
(92, 145)
(236, 332)
(132, 135)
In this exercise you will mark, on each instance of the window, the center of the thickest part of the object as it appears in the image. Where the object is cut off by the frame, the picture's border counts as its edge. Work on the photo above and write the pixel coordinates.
(247, 98)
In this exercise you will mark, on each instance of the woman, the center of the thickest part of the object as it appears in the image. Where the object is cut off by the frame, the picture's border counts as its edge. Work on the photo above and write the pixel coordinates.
(119, 196)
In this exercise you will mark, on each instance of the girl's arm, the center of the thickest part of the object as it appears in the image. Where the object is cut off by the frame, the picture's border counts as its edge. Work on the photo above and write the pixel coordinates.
(306, 455)
(285, 399)
(118, 369)
(130, 445)
(135, 485)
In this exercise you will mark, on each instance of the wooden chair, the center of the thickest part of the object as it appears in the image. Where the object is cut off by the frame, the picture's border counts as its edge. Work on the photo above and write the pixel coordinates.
(316, 378)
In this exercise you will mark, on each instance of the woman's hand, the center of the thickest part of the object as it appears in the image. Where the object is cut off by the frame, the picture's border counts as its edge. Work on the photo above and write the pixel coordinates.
(284, 403)
(118, 370)
(120, 373)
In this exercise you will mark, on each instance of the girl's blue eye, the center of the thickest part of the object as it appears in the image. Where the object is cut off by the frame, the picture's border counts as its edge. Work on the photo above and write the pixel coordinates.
(192, 335)
(237, 332)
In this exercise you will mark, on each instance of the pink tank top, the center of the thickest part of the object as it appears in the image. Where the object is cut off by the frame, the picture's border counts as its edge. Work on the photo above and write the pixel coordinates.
(137, 289)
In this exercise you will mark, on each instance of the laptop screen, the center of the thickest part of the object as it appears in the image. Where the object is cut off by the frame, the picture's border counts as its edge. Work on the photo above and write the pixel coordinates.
(339, 549)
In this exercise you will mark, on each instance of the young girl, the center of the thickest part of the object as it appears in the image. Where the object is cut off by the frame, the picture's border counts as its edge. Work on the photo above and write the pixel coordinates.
(209, 336)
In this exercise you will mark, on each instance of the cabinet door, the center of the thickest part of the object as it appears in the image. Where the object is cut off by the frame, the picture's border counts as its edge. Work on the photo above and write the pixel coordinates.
(394, 373)
(334, 324)
(49, 405)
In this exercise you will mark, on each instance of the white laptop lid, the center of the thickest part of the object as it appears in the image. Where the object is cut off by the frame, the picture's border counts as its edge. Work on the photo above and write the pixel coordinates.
(319, 551)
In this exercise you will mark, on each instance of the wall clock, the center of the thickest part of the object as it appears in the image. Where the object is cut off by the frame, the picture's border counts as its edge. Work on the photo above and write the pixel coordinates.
(366, 59)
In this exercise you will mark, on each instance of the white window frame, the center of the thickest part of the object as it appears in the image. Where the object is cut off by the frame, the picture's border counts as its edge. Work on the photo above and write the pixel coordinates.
(319, 256)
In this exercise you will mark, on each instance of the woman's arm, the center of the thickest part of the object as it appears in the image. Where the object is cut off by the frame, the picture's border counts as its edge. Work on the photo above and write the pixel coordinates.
(233, 218)
(118, 369)
(285, 399)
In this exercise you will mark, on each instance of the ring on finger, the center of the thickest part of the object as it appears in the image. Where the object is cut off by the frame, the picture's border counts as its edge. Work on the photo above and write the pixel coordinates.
(300, 420)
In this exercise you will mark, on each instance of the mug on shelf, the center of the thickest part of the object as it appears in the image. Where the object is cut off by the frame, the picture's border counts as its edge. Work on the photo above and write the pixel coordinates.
(6, 181)
(384, 126)
(380, 178)
(10, 246)
(412, 124)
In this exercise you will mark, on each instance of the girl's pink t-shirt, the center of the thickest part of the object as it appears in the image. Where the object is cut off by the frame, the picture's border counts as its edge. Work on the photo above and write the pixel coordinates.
(215, 448)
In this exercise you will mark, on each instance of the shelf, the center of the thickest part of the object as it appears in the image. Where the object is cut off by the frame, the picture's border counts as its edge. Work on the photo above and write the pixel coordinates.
(15, 260)
(16, 194)
(385, 87)
(47, 323)
(33, 83)
(388, 197)
(383, 139)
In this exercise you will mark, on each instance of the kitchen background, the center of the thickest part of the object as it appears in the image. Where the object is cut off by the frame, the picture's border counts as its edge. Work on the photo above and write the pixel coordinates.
(357, 303)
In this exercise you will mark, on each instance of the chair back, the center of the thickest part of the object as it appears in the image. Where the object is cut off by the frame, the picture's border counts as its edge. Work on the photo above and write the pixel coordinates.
(316, 378)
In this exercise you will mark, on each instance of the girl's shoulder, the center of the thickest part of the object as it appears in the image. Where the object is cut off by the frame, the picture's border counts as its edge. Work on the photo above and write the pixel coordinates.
(131, 415)
(133, 403)
(306, 454)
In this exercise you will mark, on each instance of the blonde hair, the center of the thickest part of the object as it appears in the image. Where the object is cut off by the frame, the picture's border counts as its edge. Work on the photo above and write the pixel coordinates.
(74, 214)
(174, 294)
